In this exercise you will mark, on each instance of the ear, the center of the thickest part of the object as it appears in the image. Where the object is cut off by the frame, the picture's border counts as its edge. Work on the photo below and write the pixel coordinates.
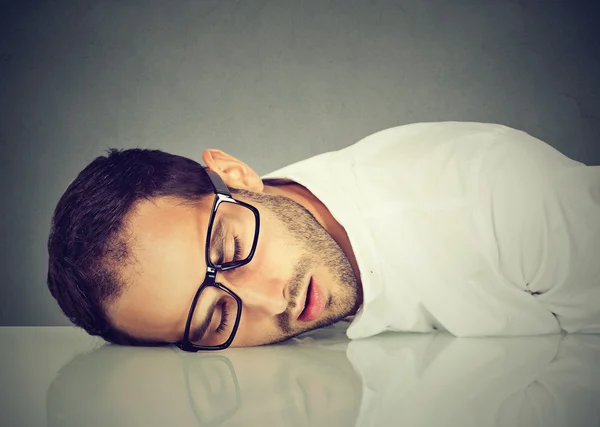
(232, 171)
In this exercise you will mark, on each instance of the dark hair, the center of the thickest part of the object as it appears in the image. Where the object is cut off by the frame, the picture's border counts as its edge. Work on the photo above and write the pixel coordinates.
(88, 245)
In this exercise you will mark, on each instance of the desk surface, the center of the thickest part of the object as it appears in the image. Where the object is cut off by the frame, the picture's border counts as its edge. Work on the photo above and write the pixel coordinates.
(62, 377)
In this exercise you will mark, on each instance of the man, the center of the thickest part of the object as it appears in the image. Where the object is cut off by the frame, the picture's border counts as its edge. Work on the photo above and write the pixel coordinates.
(476, 229)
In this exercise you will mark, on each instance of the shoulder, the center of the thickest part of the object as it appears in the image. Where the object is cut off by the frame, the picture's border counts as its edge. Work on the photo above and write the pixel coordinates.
(438, 131)
(413, 141)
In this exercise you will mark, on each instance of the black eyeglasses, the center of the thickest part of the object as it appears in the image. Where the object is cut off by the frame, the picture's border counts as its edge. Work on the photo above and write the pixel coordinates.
(231, 240)
(213, 389)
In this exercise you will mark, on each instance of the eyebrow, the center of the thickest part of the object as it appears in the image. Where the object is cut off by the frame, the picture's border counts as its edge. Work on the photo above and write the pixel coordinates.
(217, 242)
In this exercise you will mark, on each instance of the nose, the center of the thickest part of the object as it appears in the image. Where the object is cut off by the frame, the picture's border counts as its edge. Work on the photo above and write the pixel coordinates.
(264, 296)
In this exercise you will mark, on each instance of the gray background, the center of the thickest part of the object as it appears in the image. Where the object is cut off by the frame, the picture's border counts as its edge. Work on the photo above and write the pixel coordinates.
(270, 82)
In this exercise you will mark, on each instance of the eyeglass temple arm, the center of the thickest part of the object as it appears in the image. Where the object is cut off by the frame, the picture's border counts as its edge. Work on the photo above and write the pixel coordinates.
(217, 182)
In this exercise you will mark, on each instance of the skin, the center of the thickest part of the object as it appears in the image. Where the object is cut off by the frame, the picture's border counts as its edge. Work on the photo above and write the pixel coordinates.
(299, 239)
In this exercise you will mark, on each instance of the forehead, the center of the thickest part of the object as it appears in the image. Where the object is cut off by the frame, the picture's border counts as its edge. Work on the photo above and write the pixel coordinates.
(167, 243)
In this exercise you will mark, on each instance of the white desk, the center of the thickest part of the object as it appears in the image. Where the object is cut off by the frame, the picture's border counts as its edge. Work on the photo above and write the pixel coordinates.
(62, 377)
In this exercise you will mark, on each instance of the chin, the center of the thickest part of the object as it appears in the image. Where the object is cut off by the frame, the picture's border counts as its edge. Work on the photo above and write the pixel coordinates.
(325, 320)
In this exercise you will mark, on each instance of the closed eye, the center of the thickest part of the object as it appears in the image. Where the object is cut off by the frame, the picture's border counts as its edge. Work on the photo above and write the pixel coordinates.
(224, 319)
(237, 251)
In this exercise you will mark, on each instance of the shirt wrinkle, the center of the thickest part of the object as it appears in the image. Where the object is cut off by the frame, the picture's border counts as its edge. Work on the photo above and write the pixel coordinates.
(477, 229)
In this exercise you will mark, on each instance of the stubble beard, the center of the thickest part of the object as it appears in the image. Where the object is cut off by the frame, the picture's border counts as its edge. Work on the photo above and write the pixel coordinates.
(319, 249)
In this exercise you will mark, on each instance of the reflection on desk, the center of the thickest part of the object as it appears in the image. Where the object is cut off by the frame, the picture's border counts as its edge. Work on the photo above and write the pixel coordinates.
(325, 380)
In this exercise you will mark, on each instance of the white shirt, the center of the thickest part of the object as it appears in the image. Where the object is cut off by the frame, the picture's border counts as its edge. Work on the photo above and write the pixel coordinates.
(477, 229)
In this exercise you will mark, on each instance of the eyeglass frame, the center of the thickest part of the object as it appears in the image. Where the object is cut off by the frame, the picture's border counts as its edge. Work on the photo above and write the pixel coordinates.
(238, 399)
(222, 195)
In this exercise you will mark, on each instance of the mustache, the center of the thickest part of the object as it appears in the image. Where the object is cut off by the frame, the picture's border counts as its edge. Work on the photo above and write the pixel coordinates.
(284, 320)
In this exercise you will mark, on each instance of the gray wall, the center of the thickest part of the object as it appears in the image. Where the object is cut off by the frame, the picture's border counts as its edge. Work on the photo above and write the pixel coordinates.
(271, 82)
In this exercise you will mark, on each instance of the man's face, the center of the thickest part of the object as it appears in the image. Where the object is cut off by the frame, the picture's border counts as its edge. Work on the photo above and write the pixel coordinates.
(293, 251)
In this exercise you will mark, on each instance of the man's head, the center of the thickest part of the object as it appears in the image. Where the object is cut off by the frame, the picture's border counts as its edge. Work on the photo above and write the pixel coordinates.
(127, 252)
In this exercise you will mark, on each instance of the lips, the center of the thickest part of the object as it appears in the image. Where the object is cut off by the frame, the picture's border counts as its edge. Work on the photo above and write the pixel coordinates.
(314, 304)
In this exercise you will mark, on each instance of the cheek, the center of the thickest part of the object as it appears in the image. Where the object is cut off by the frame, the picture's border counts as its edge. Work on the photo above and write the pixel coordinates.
(271, 268)
(277, 252)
